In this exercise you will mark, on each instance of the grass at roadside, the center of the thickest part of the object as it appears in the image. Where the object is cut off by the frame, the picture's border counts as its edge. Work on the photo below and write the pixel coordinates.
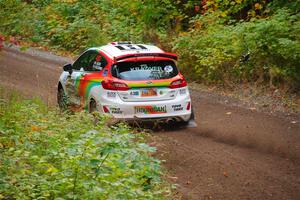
(46, 154)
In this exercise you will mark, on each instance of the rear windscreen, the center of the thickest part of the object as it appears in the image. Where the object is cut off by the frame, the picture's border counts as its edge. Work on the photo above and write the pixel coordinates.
(145, 70)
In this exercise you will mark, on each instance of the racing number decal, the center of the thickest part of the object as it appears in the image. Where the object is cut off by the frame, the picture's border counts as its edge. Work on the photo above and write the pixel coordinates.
(129, 47)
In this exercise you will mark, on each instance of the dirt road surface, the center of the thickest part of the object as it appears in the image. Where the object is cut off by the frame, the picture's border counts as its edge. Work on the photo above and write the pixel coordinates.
(234, 153)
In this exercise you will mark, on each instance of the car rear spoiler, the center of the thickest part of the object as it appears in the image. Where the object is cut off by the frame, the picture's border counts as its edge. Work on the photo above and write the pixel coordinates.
(165, 55)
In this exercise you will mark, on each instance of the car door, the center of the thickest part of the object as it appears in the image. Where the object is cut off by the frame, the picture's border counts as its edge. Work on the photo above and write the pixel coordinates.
(74, 81)
(92, 74)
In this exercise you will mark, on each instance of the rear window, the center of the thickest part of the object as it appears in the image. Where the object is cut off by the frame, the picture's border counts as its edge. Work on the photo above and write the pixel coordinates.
(144, 70)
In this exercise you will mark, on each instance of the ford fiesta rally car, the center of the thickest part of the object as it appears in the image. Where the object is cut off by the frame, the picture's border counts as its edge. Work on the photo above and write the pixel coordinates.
(127, 81)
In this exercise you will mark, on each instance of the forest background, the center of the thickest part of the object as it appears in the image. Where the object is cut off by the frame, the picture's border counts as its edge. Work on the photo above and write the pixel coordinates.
(219, 42)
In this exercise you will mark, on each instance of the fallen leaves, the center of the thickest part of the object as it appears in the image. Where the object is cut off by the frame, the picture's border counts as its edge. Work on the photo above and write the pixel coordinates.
(188, 182)
(2, 39)
(225, 174)
(13, 40)
(35, 128)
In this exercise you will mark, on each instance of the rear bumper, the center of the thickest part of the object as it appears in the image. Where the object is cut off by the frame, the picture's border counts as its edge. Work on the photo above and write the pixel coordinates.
(177, 108)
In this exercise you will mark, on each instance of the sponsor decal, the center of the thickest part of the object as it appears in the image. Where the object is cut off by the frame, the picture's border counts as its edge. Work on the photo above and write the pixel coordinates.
(168, 69)
(149, 92)
(116, 110)
(145, 67)
(151, 109)
(111, 94)
(177, 107)
(98, 58)
(97, 65)
(105, 72)
(182, 91)
(134, 93)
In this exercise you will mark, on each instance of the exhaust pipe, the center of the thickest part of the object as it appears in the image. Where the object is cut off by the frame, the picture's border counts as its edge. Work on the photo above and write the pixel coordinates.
(171, 120)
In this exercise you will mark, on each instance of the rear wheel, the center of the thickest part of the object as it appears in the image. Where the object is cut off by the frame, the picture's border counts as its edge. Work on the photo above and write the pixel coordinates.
(62, 99)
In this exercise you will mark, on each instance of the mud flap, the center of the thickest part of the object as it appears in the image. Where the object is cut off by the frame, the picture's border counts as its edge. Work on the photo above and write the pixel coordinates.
(192, 123)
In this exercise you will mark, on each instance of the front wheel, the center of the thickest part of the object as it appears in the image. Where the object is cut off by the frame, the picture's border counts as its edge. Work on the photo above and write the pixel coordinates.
(62, 99)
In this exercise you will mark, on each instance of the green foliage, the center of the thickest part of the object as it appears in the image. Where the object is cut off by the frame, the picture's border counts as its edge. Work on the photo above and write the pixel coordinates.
(14, 18)
(238, 9)
(293, 5)
(74, 25)
(208, 50)
(224, 42)
(275, 47)
(49, 155)
(259, 50)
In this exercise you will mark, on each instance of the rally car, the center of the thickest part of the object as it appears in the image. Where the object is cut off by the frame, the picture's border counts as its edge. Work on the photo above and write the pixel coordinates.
(128, 81)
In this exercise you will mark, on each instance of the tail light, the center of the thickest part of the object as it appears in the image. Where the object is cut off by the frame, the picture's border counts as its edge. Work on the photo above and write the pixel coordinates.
(114, 85)
(105, 109)
(178, 83)
(188, 107)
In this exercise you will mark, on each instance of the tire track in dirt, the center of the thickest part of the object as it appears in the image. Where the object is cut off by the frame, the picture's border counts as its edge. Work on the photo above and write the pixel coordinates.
(31, 73)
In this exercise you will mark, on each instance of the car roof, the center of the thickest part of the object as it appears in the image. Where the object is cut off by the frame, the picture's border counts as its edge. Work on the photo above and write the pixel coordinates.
(116, 49)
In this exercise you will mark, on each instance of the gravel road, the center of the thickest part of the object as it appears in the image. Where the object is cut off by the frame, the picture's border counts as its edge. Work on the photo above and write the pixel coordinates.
(234, 153)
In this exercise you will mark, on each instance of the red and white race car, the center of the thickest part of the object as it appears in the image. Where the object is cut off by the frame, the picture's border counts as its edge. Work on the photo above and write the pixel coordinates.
(128, 81)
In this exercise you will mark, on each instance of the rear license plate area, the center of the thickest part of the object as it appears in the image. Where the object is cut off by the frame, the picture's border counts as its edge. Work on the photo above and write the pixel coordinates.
(149, 92)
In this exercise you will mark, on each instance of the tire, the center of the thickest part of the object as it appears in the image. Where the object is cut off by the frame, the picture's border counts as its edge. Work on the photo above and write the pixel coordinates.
(92, 106)
(62, 99)
(192, 115)
(191, 122)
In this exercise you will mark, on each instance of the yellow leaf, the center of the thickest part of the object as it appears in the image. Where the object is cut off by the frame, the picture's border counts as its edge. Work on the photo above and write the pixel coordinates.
(51, 169)
(258, 6)
(35, 128)
(223, 14)
(225, 174)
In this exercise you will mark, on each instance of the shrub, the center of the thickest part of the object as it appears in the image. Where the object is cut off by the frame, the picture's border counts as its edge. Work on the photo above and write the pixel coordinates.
(259, 50)
(49, 155)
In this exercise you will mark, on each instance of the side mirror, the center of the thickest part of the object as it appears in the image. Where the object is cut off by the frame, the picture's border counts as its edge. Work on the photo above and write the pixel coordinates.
(67, 68)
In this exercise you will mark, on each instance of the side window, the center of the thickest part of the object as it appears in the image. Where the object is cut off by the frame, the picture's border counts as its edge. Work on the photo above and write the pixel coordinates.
(98, 62)
(83, 61)
(90, 61)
